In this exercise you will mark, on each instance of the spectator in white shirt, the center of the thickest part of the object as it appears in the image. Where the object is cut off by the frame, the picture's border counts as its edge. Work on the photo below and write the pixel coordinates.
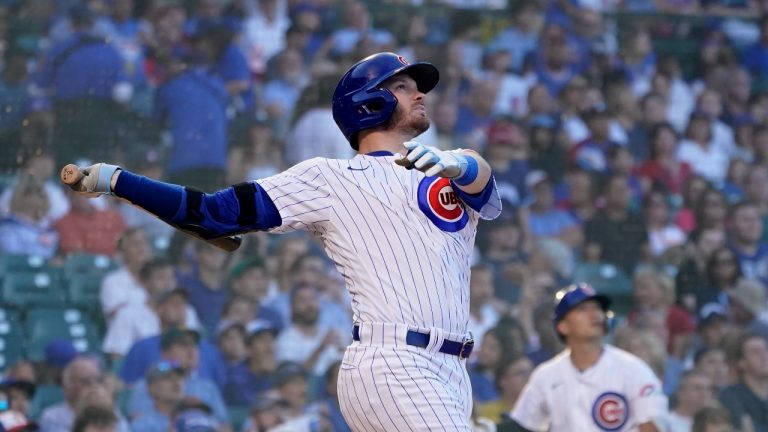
(122, 287)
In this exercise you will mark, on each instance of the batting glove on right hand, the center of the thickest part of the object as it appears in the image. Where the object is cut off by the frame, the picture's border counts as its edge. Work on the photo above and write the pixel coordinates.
(432, 161)
(91, 181)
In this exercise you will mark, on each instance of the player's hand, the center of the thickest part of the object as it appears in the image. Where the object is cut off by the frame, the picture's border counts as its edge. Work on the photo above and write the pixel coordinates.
(90, 181)
(432, 161)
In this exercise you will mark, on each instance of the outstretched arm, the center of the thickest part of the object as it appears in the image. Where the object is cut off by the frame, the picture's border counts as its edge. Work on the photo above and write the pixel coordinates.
(212, 217)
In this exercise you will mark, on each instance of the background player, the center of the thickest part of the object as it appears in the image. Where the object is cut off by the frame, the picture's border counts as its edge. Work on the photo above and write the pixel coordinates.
(590, 386)
(399, 228)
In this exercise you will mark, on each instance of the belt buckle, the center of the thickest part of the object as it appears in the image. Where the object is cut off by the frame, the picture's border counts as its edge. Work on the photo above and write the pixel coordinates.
(466, 348)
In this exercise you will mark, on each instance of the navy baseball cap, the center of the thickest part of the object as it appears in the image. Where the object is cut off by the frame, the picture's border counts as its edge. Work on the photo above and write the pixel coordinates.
(196, 420)
(573, 295)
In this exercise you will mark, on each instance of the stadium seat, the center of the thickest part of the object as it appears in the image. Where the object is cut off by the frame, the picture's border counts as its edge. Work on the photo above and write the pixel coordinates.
(45, 396)
(45, 325)
(78, 264)
(25, 289)
(11, 345)
(17, 263)
(237, 416)
(83, 290)
(609, 280)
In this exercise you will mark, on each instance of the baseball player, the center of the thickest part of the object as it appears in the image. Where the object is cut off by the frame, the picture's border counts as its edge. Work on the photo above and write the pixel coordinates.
(590, 386)
(398, 220)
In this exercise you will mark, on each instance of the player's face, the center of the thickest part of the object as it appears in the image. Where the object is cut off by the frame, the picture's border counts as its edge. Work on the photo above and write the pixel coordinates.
(410, 114)
(585, 321)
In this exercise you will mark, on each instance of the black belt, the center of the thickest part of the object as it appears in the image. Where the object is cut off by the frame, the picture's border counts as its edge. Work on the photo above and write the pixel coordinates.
(421, 340)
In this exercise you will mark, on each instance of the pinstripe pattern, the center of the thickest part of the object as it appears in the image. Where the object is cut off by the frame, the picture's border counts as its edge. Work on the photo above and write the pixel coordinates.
(399, 267)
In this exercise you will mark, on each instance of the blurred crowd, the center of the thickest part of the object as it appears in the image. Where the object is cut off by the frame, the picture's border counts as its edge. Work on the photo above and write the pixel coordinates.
(629, 141)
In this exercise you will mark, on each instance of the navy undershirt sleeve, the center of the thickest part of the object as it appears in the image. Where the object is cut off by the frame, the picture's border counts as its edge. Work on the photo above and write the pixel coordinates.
(220, 210)
(475, 201)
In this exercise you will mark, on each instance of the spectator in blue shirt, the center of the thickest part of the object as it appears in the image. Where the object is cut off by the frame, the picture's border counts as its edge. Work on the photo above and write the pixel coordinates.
(255, 375)
(521, 37)
(192, 103)
(327, 406)
(755, 58)
(147, 351)
(215, 39)
(181, 346)
(205, 284)
(248, 280)
(165, 385)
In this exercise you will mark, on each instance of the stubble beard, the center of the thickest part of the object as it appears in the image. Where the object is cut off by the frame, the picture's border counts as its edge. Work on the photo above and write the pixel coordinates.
(408, 123)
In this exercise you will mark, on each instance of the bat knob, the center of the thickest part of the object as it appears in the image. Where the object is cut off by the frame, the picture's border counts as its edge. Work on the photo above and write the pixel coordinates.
(70, 174)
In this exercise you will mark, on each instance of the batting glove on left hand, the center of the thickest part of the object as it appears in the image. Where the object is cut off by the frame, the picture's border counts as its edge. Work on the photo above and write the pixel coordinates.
(432, 161)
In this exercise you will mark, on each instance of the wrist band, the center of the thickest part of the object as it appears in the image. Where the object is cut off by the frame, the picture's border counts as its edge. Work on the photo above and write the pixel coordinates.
(470, 174)
(104, 182)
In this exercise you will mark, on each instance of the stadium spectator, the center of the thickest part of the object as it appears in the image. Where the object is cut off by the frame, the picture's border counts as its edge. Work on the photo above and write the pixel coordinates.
(255, 375)
(172, 311)
(264, 33)
(121, 287)
(25, 229)
(744, 400)
(95, 419)
(41, 167)
(181, 346)
(545, 221)
(694, 393)
(312, 121)
(711, 419)
(615, 234)
(90, 226)
(747, 306)
(508, 151)
(711, 362)
(495, 350)
(231, 349)
(78, 377)
(745, 240)
(662, 233)
(510, 378)
(326, 406)
(484, 312)
(205, 284)
(696, 271)
(592, 152)
(138, 321)
(165, 385)
(306, 340)
(654, 293)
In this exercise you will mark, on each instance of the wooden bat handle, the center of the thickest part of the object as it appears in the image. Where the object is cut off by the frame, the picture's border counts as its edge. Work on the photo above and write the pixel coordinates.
(71, 175)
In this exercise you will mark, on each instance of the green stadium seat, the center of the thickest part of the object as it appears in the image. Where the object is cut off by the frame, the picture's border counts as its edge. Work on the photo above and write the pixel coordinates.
(45, 396)
(17, 263)
(83, 290)
(45, 325)
(33, 289)
(11, 345)
(609, 280)
(237, 416)
(78, 264)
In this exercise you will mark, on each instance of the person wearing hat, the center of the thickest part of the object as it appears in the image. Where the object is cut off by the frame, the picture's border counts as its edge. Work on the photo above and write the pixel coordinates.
(747, 306)
(172, 309)
(592, 153)
(230, 341)
(255, 375)
(248, 280)
(180, 346)
(590, 385)
(139, 320)
(165, 385)
(20, 394)
(544, 219)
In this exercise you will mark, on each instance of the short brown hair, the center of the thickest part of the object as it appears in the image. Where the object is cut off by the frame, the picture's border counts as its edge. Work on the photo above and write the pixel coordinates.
(94, 416)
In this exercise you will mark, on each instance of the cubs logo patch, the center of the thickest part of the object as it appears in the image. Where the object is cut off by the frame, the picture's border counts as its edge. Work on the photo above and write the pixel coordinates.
(441, 205)
(402, 60)
(610, 411)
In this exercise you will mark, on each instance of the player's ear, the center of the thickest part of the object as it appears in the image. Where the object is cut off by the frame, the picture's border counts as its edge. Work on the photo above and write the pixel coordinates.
(561, 327)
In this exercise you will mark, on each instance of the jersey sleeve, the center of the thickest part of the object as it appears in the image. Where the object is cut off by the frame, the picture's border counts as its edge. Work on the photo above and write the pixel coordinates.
(647, 400)
(487, 203)
(301, 195)
(531, 410)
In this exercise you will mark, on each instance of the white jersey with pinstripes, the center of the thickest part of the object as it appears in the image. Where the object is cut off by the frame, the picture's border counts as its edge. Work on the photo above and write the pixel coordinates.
(402, 241)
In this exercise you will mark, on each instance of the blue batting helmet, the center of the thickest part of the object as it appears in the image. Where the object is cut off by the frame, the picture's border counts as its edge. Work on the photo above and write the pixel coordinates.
(360, 103)
(568, 297)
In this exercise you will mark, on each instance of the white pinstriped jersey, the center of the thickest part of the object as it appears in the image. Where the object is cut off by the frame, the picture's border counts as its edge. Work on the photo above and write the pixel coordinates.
(616, 394)
(402, 241)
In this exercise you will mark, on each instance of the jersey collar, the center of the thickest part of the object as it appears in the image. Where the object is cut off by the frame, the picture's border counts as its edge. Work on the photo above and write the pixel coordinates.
(380, 153)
